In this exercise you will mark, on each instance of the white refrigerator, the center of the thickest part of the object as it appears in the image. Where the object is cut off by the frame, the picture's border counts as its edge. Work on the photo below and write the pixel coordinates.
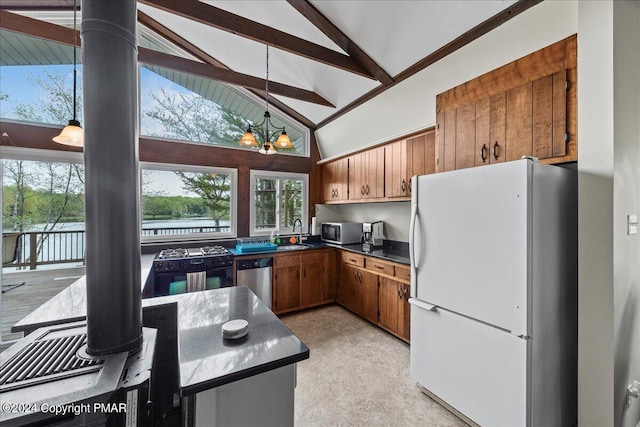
(494, 292)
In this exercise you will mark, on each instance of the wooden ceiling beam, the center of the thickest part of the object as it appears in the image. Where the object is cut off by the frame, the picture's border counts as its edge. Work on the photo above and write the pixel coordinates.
(57, 33)
(313, 15)
(203, 56)
(238, 25)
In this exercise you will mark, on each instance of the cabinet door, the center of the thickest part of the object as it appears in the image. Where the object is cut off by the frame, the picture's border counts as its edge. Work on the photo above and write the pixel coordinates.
(404, 311)
(497, 127)
(349, 284)
(358, 176)
(550, 115)
(465, 144)
(395, 167)
(312, 278)
(286, 282)
(342, 179)
(421, 156)
(330, 275)
(389, 298)
(369, 295)
(374, 173)
(519, 129)
(327, 182)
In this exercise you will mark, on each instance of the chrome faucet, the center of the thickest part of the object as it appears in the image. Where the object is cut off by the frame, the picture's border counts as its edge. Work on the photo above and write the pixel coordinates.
(297, 221)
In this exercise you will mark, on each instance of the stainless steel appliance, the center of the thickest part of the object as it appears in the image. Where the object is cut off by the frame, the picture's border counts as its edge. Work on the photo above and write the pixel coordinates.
(256, 275)
(341, 233)
(196, 269)
(372, 235)
(494, 292)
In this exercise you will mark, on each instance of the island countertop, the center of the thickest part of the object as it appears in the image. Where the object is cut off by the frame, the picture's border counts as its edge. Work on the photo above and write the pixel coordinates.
(206, 359)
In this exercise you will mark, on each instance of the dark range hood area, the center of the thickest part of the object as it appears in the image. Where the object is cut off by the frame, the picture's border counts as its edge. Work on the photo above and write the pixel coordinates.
(97, 372)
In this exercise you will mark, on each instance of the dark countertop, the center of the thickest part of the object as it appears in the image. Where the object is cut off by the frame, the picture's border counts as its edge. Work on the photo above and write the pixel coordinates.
(392, 251)
(206, 359)
(387, 254)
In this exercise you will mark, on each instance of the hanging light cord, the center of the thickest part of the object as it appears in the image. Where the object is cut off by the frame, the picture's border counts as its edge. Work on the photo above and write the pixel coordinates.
(75, 7)
(266, 89)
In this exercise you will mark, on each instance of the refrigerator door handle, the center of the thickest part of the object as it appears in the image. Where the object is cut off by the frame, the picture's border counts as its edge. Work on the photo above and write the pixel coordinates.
(412, 237)
(422, 304)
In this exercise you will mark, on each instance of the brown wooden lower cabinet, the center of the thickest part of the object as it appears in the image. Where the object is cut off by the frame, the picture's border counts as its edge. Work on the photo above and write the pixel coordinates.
(303, 280)
(377, 290)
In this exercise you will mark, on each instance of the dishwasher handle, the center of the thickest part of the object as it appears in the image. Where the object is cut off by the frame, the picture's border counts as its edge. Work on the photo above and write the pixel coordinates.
(249, 264)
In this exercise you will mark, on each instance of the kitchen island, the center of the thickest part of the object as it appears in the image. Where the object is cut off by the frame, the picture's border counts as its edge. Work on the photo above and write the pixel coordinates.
(212, 371)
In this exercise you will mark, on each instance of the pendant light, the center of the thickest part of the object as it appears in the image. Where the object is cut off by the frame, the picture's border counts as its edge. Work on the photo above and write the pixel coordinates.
(262, 128)
(72, 134)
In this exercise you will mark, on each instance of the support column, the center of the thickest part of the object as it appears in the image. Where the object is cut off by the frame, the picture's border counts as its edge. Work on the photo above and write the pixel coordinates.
(110, 94)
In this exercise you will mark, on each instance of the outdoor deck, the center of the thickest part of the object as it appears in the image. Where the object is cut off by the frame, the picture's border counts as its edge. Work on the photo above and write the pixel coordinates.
(39, 287)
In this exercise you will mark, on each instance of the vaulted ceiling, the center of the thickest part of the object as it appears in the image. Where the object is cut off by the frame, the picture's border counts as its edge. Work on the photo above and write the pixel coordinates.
(325, 56)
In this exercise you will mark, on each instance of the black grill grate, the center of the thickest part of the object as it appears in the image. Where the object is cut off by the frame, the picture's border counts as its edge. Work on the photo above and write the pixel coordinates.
(44, 358)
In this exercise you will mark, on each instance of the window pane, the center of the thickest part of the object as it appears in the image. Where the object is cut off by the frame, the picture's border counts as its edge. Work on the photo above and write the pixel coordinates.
(290, 202)
(42, 229)
(184, 202)
(265, 203)
(180, 106)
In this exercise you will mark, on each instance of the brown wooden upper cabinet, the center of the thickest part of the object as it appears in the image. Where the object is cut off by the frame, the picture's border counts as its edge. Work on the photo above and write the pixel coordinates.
(366, 174)
(336, 180)
(406, 158)
(526, 108)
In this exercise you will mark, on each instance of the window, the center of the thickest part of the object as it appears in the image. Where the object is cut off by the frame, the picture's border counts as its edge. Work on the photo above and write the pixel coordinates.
(186, 202)
(277, 200)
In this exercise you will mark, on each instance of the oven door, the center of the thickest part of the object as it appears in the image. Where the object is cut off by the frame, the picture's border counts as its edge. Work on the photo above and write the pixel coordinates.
(178, 282)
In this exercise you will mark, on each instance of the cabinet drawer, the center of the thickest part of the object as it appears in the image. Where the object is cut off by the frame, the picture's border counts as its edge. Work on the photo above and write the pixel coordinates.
(403, 273)
(353, 259)
(286, 260)
(379, 266)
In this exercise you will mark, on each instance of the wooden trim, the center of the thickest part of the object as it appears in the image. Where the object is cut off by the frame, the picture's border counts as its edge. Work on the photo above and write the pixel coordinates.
(466, 38)
(238, 25)
(534, 66)
(36, 28)
(306, 9)
(154, 57)
(194, 50)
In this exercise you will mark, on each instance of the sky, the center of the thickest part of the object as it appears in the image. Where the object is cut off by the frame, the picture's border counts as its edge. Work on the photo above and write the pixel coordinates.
(15, 84)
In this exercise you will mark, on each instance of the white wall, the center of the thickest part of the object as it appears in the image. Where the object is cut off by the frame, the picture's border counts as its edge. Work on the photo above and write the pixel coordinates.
(626, 200)
(595, 214)
(411, 105)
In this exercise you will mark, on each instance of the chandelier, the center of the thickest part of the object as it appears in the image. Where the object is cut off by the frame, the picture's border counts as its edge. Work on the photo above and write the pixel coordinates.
(72, 133)
(262, 129)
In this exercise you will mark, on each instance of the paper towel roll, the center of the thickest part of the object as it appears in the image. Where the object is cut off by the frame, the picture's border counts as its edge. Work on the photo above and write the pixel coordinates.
(313, 226)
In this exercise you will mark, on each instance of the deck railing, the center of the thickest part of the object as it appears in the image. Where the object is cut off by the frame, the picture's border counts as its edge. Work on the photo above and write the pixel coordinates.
(58, 247)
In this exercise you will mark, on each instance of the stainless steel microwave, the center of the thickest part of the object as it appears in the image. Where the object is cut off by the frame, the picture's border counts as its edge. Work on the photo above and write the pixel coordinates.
(342, 233)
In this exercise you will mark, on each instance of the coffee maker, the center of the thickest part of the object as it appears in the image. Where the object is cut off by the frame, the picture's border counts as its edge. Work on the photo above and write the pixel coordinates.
(372, 235)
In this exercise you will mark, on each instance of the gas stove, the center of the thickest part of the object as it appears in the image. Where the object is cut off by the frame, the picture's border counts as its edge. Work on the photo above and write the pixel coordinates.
(192, 259)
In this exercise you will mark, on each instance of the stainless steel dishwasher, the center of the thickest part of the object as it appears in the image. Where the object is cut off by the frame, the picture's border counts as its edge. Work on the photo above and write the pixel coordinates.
(256, 275)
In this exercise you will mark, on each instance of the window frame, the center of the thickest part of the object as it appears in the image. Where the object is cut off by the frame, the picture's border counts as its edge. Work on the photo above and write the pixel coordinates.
(279, 176)
(191, 237)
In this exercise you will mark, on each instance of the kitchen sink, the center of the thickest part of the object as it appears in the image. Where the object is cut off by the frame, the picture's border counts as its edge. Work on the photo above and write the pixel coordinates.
(296, 247)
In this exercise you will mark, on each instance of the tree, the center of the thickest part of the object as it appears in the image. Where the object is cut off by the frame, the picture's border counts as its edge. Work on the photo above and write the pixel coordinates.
(215, 191)
(190, 117)
(44, 192)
